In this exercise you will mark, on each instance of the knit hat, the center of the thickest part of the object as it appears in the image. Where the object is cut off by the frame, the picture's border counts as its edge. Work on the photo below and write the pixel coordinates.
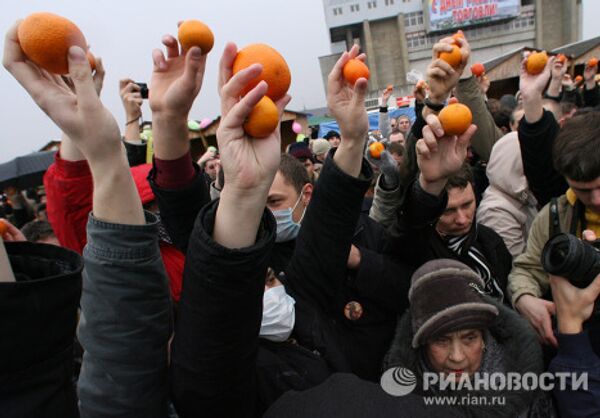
(300, 150)
(331, 134)
(140, 177)
(445, 296)
(320, 146)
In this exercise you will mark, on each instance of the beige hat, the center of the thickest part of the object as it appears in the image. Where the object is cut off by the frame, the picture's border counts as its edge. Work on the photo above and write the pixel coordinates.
(320, 146)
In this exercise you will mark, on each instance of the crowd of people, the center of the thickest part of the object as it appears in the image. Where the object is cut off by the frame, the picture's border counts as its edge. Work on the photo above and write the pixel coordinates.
(247, 282)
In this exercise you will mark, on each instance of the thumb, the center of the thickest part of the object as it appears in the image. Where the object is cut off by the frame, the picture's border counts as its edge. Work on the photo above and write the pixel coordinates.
(551, 307)
(360, 91)
(195, 63)
(81, 75)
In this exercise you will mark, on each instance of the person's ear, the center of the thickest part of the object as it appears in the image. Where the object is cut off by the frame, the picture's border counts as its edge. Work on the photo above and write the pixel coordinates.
(307, 194)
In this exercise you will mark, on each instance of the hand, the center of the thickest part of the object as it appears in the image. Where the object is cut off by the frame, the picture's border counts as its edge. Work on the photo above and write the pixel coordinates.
(385, 96)
(73, 112)
(175, 83)
(354, 258)
(441, 76)
(12, 234)
(574, 306)
(568, 83)
(484, 83)
(589, 75)
(208, 155)
(347, 103)
(131, 98)
(532, 86)
(558, 70)
(537, 311)
(440, 156)
(419, 92)
(248, 164)
(176, 80)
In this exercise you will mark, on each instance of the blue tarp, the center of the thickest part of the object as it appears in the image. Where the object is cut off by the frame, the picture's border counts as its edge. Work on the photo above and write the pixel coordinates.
(373, 120)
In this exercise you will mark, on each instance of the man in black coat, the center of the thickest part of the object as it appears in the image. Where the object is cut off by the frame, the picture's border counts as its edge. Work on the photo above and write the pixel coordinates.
(445, 227)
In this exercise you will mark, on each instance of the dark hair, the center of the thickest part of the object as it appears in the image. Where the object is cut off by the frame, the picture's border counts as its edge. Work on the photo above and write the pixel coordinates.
(396, 148)
(461, 178)
(331, 134)
(502, 118)
(494, 105)
(293, 172)
(37, 230)
(575, 151)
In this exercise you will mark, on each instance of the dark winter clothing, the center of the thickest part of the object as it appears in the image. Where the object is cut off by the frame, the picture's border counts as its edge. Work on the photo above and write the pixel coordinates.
(575, 355)
(536, 140)
(515, 349)
(415, 237)
(38, 316)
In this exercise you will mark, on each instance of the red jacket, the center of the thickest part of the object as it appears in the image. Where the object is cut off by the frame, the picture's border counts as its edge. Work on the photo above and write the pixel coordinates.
(69, 189)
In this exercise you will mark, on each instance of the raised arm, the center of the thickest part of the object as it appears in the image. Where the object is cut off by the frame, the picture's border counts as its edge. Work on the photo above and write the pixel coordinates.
(215, 345)
(176, 181)
(125, 306)
(537, 132)
(318, 267)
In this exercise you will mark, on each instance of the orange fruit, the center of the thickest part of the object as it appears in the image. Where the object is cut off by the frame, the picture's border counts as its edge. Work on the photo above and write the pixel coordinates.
(592, 62)
(421, 84)
(45, 38)
(455, 118)
(263, 119)
(454, 57)
(3, 227)
(561, 58)
(578, 79)
(375, 149)
(536, 62)
(477, 69)
(355, 69)
(458, 35)
(275, 70)
(195, 33)
(91, 60)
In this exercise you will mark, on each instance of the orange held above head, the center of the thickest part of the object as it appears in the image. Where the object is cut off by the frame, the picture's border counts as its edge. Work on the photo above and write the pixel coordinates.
(536, 62)
(455, 118)
(45, 38)
(355, 69)
(263, 119)
(195, 33)
(453, 57)
(375, 149)
(275, 69)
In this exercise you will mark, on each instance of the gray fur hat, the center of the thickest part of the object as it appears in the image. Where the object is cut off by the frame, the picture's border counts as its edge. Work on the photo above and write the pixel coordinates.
(446, 296)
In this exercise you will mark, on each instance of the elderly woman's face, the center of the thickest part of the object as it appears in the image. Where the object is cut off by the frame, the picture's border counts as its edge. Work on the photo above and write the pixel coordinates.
(456, 352)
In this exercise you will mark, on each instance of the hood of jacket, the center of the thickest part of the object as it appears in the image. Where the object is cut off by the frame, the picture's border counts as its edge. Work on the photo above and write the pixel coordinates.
(519, 349)
(505, 170)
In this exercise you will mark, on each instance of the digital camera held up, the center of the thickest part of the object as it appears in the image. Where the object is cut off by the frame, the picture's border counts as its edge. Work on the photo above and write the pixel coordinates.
(578, 261)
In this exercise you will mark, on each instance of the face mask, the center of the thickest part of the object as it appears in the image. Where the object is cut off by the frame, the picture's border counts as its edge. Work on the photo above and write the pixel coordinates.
(278, 316)
(287, 229)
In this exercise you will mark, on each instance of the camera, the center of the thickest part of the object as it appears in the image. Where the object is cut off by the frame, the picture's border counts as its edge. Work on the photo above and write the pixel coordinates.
(143, 89)
(566, 256)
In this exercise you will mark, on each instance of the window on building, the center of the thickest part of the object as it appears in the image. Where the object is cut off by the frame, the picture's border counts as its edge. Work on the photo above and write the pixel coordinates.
(354, 7)
(372, 4)
(389, 2)
(337, 11)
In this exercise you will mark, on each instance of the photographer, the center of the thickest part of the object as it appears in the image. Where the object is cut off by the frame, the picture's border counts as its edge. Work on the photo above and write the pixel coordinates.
(575, 157)
(574, 306)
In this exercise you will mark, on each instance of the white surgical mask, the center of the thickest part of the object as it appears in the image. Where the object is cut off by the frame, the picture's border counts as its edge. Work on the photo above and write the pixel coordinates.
(287, 229)
(279, 315)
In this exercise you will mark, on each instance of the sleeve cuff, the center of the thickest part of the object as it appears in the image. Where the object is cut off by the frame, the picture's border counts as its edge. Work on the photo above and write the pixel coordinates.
(578, 349)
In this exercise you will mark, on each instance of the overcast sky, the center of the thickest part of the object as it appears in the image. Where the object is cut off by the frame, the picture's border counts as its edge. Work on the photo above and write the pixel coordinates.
(124, 33)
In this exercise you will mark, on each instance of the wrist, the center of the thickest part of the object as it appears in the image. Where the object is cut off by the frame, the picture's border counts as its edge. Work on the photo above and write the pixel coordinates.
(432, 186)
(569, 325)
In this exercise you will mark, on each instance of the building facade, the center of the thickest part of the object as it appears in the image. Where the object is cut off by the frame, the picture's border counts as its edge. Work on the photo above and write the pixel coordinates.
(397, 35)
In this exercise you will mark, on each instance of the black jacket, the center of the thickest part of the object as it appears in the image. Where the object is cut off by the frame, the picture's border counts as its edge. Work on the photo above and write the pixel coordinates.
(536, 141)
(317, 277)
(415, 238)
(38, 316)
